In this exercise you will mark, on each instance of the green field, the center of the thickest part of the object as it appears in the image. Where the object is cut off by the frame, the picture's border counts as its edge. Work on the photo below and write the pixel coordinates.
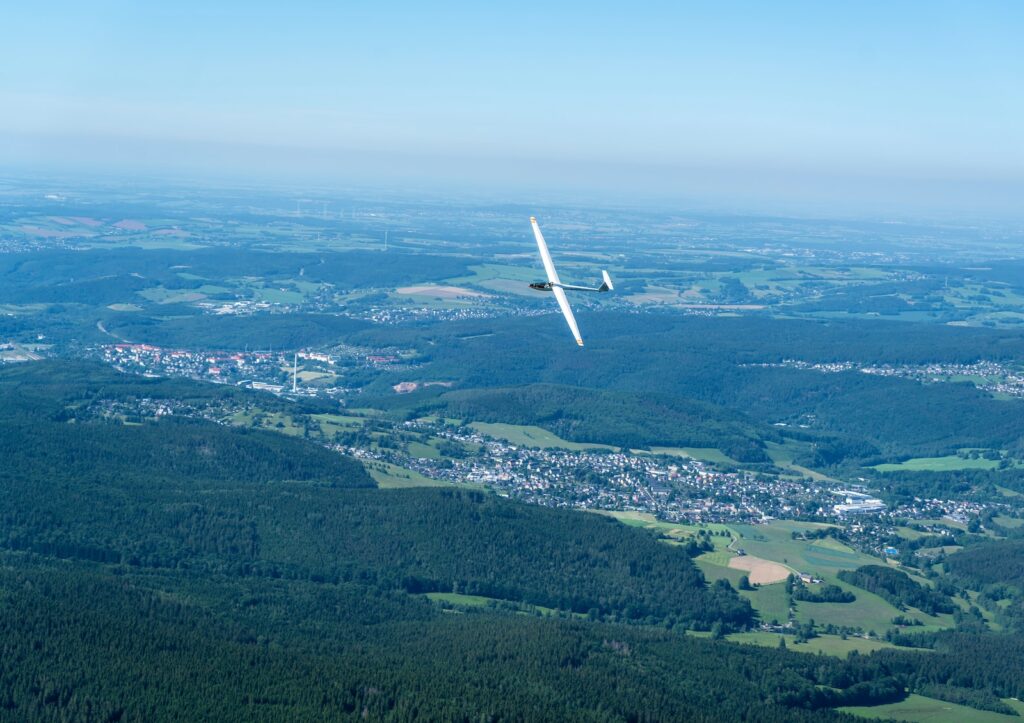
(945, 522)
(704, 454)
(1009, 522)
(827, 644)
(528, 436)
(782, 456)
(456, 598)
(713, 565)
(948, 463)
(824, 558)
(773, 542)
(338, 420)
(500, 278)
(676, 530)
(770, 601)
(422, 450)
(390, 476)
(275, 422)
(327, 424)
(278, 295)
(918, 708)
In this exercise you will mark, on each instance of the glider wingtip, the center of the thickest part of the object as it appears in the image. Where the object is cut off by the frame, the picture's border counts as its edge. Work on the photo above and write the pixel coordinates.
(579, 342)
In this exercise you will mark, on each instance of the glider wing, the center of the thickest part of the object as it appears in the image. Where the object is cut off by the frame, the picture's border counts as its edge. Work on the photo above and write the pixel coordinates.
(549, 265)
(567, 312)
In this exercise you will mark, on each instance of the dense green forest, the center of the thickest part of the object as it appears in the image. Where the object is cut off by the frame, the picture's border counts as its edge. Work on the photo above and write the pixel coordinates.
(186, 569)
(89, 644)
(990, 563)
(978, 483)
(172, 493)
(712, 371)
(275, 331)
(618, 418)
(898, 588)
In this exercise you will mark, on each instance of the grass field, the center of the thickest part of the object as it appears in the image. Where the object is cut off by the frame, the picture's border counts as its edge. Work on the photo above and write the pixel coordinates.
(424, 451)
(945, 522)
(456, 598)
(1009, 522)
(868, 612)
(274, 295)
(275, 422)
(948, 463)
(390, 476)
(774, 542)
(529, 436)
(770, 601)
(475, 601)
(721, 558)
(827, 644)
(823, 558)
(674, 529)
(713, 565)
(500, 278)
(327, 424)
(918, 708)
(782, 455)
(705, 454)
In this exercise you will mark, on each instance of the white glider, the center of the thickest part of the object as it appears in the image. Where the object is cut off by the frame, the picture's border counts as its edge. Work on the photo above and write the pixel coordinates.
(557, 287)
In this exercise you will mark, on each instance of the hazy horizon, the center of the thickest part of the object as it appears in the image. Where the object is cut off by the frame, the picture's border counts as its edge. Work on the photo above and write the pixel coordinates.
(797, 108)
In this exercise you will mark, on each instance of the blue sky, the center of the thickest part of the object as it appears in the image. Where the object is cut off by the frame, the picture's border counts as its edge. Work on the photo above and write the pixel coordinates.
(879, 105)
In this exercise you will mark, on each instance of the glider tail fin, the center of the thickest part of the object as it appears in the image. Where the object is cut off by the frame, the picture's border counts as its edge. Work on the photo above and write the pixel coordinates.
(606, 283)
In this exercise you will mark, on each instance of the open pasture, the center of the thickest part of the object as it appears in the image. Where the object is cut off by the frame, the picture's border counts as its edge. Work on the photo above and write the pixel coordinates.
(827, 644)
(919, 709)
(949, 463)
(774, 542)
(530, 436)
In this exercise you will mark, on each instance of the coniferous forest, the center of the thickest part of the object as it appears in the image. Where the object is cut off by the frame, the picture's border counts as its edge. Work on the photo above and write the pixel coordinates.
(183, 569)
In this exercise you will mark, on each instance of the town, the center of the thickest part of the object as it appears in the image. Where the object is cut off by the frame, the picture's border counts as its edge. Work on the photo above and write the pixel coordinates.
(671, 488)
(990, 376)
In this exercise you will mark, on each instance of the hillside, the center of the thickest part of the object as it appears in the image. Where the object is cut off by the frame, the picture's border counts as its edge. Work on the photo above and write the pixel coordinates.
(185, 492)
(618, 418)
(729, 374)
(180, 568)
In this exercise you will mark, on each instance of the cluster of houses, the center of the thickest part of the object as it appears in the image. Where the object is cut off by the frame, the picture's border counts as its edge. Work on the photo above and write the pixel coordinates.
(988, 375)
(677, 488)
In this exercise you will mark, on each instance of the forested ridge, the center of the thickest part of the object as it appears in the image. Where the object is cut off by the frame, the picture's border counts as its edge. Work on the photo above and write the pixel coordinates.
(181, 569)
(617, 418)
(898, 588)
(183, 492)
(88, 645)
(989, 563)
(718, 371)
